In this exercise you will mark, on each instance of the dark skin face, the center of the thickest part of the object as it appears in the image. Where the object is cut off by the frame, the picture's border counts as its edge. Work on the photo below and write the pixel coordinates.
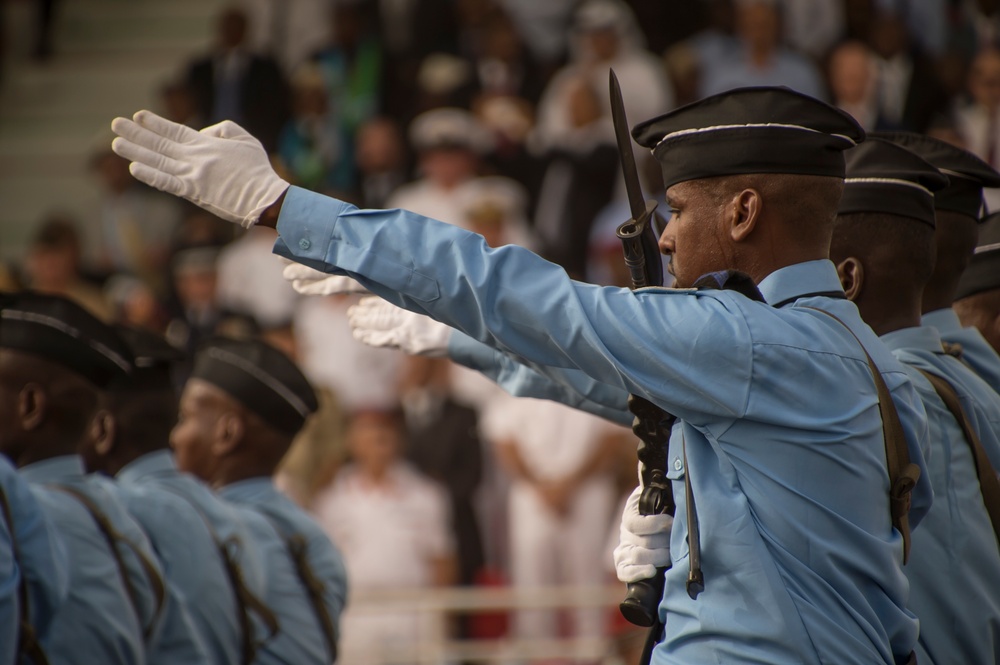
(755, 224)
(218, 440)
(44, 409)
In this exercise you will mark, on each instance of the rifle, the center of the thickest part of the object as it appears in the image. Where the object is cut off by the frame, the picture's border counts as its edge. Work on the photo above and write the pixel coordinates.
(652, 424)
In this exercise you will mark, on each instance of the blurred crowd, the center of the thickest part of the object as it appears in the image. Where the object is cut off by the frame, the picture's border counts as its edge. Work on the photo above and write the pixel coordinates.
(492, 115)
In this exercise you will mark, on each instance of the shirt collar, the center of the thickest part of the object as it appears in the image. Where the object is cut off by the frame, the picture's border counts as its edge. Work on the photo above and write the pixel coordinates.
(159, 462)
(253, 488)
(801, 279)
(945, 320)
(916, 338)
(55, 469)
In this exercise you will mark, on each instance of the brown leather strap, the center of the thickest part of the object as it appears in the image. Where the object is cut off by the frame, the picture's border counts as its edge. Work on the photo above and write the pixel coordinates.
(246, 601)
(298, 551)
(27, 639)
(988, 483)
(903, 474)
(113, 538)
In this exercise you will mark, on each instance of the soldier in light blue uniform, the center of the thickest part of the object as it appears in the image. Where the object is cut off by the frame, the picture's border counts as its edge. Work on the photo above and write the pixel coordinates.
(40, 565)
(54, 356)
(883, 246)
(203, 546)
(779, 426)
(959, 266)
(239, 411)
(977, 303)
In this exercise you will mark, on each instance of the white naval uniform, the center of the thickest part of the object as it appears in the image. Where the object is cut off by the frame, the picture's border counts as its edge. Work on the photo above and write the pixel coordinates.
(554, 441)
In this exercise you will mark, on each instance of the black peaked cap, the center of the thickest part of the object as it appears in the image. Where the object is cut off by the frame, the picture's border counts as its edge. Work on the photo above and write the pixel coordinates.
(883, 177)
(750, 130)
(62, 332)
(967, 174)
(983, 273)
(260, 377)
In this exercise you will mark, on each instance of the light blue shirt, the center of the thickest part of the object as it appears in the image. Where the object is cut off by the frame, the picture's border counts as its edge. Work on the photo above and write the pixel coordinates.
(778, 412)
(954, 567)
(168, 506)
(97, 623)
(273, 518)
(976, 351)
(41, 561)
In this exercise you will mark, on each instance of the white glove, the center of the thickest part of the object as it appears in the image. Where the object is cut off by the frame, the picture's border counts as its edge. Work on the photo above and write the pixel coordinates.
(644, 542)
(222, 168)
(378, 323)
(311, 282)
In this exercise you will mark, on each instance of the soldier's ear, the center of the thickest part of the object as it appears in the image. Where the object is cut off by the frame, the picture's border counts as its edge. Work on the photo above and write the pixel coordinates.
(852, 277)
(745, 213)
(229, 431)
(32, 405)
(103, 432)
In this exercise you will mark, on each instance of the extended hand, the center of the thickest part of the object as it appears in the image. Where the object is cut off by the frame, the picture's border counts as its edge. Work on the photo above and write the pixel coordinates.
(311, 282)
(222, 168)
(378, 323)
(644, 542)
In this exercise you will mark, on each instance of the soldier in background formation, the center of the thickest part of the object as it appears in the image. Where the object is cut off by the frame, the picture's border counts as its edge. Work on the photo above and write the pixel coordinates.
(108, 552)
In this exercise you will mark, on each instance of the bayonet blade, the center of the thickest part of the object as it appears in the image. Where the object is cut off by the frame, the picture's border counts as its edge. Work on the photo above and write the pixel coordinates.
(636, 201)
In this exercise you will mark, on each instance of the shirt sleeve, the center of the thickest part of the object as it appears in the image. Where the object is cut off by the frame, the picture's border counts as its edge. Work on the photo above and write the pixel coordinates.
(566, 386)
(689, 352)
(9, 579)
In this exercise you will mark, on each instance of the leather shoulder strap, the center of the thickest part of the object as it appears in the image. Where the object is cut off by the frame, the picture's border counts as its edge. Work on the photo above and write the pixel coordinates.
(246, 601)
(27, 639)
(113, 538)
(903, 474)
(989, 485)
(297, 549)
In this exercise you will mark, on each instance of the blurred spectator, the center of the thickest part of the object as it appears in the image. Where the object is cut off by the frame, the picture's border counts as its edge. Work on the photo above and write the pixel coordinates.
(927, 20)
(543, 25)
(233, 83)
(812, 27)
(392, 526)
(198, 314)
(44, 25)
(289, 30)
(443, 79)
(381, 161)
(312, 147)
(443, 443)
(136, 222)
(561, 500)
(134, 304)
(360, 376)
(180, 105)
(975, 25)
(53, 266)
(762, 59)
(717, 41)
(604, 36)
(852, 78)
(250, 281)
(351, 65)
(448, 143)
(503, 64)
(978, 122)
(580, 177)
(909, 92)
(495, 208)
(410, 31)
(684, 71)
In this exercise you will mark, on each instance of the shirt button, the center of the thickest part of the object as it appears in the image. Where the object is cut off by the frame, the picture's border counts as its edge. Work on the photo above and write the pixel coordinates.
(678, 465)
(305, 244)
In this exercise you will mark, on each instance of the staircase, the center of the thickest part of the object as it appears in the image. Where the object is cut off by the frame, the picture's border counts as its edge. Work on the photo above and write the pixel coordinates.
(111, 58)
